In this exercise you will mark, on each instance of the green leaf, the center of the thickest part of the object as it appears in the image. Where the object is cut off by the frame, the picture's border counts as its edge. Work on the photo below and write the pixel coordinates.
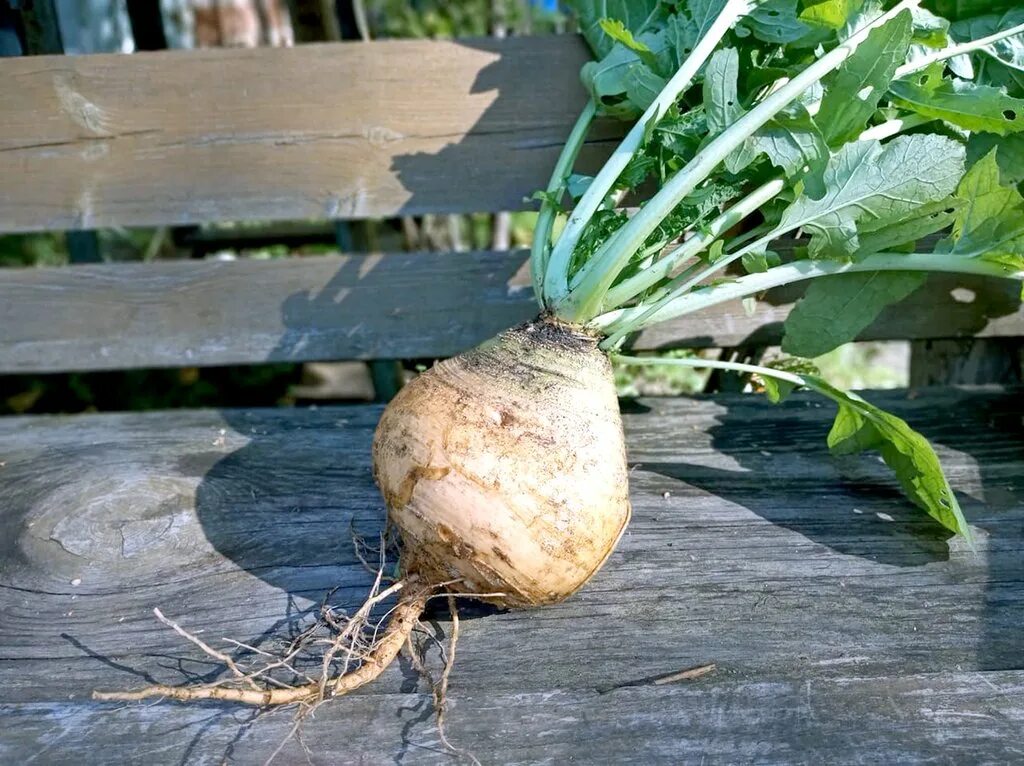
(991, 221)
(634, 15)
(930, 30)
(868, 181)
(1011, 262)
(1010, 155)
(777, 390)
(775, 21)
(793, 144)
(830, 14)
(926, 220)
(835, 309)
(722, 103)
(962, 9)
(1010, 50)
(962, 103)
(555, 200)
(621, 76)
(681, 133)
(684, 29)
(643, 86)
(759, 262)
(715, 252)
(861, 426)
(577, 185)
(721, 99)
(852, 92)
(616, 30)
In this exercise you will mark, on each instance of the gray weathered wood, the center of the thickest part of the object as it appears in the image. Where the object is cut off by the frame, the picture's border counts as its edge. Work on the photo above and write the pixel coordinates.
(369, 307)
(844, 628)
(974, 361)
(319, 131)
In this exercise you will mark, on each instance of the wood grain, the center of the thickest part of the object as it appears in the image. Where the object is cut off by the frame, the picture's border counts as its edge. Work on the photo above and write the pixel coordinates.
(843, 626)
(371, 307)
(318, 131)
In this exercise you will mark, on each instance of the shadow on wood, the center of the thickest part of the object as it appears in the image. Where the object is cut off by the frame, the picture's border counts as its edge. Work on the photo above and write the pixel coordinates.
(867, 515)
(501, 138)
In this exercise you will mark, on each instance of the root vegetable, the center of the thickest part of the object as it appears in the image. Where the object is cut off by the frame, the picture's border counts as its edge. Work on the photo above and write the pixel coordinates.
(504, 469)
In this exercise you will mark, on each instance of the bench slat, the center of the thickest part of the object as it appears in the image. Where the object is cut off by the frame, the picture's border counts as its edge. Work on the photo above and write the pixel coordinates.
(931, 718)
(319, 131)
(843, 627)
(371, 307)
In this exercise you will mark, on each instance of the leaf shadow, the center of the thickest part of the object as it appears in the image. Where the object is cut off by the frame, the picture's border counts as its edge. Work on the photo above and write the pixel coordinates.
(854, 507)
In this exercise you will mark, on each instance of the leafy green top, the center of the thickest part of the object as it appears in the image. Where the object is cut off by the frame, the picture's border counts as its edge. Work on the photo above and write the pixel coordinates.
(867, 127)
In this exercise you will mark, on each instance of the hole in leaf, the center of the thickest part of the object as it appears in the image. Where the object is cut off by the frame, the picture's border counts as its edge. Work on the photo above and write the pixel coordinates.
(963, 295)
(924, 79)
(1010, 114)
(865, 93)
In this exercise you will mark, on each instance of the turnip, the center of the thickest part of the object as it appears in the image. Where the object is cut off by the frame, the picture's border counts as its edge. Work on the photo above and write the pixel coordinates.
(504, 469)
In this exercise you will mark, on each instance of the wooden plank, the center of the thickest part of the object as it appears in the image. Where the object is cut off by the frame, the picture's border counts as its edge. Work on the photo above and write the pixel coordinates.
(843, 627)
(372, 307)
(319, 131)
(975, 361)
(937, 718)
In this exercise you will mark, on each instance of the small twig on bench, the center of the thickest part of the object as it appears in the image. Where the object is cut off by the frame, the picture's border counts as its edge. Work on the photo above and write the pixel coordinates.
(686, 675)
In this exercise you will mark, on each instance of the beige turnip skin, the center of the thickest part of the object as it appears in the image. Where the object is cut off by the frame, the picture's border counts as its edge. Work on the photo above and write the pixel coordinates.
(504, 469)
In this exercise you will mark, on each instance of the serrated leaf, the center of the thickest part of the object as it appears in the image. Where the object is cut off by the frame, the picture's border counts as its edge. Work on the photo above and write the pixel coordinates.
(616, 30)
(991, 221)
(860, 426)
(634, 15)
(866, 180)
(853, 91)
(835, 309)
(962, 103)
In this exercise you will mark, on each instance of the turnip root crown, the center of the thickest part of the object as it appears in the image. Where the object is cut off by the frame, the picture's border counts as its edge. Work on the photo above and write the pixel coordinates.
(504, 469)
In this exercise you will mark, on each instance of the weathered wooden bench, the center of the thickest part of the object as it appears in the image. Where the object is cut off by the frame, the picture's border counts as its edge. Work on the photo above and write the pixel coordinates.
(842, 625)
